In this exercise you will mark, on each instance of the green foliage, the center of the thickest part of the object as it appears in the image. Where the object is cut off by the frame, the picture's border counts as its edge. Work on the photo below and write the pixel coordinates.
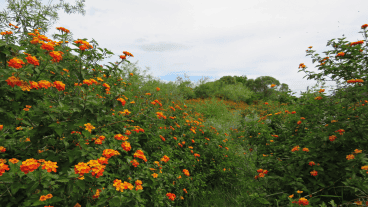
(235, 92)
(238, 89)
(229, 169)
(207, 90)
(285, 98)
(241, 79)
(255, 99)
(228, 80)
(186, 91)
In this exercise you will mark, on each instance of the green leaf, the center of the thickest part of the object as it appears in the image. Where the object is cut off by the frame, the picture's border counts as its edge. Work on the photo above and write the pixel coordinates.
(31, 187)
(81, 122)
(88, 177)
(37, 71)
(81, 184)
(63, 180)
(53, 125)
(321, 184)
(84, 152)
(11, 113)
(26, 122)
(94, 101)
(115, 201)
(72, 156)
(37, 203)
(59, 131)
(65, 143)
(52, 116)
(19, 94)
(263, 201)
(128, 159)
(61, 105)
(15, 187)
(100, 202)
(86, 133)
(99, 118)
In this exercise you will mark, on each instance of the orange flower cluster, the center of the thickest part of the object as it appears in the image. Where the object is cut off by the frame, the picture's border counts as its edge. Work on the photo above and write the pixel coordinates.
(29, 165)
(89, 127)
(122, 186)
(314, 173)
(109, 153)
(126, 146)
(3, 167)
(134, 163)
(122, 101)
(97, 194)
(165, 158)
(97, 168)
(186, 172)
(81, 168)
(97, 165)
(49, 166)
(171, 196)
(302, 201)
(181, 144)
(121, 137)
(138, 184)
(261, 173)
(12, 81)
(140, 155)
(2, 149)
(43, 198)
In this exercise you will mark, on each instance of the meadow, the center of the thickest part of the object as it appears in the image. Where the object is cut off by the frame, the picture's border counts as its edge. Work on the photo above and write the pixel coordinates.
(108, 138)
(232, 116)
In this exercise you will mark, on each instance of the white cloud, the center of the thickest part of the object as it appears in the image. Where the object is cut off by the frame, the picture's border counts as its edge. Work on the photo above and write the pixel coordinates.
(217, 38)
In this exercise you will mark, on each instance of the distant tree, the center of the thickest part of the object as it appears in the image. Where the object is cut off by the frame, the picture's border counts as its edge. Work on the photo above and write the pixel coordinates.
(191, 90)
(261, 88)
(185, 87)
(263, 84)
(283, 88)
(24, 16)
(251, 85)
(208, 90)
(235, 92)
(241, 79)
(228, 80)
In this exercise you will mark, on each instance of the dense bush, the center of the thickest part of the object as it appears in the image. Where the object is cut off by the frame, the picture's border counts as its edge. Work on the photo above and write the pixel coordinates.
(235, 92)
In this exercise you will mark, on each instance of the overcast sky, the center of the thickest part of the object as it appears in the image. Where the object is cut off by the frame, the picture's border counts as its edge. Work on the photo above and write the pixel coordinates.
(217, 38)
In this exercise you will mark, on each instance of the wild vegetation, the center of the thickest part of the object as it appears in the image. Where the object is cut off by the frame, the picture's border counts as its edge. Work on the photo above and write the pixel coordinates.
(76, 133)
(221, 106)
